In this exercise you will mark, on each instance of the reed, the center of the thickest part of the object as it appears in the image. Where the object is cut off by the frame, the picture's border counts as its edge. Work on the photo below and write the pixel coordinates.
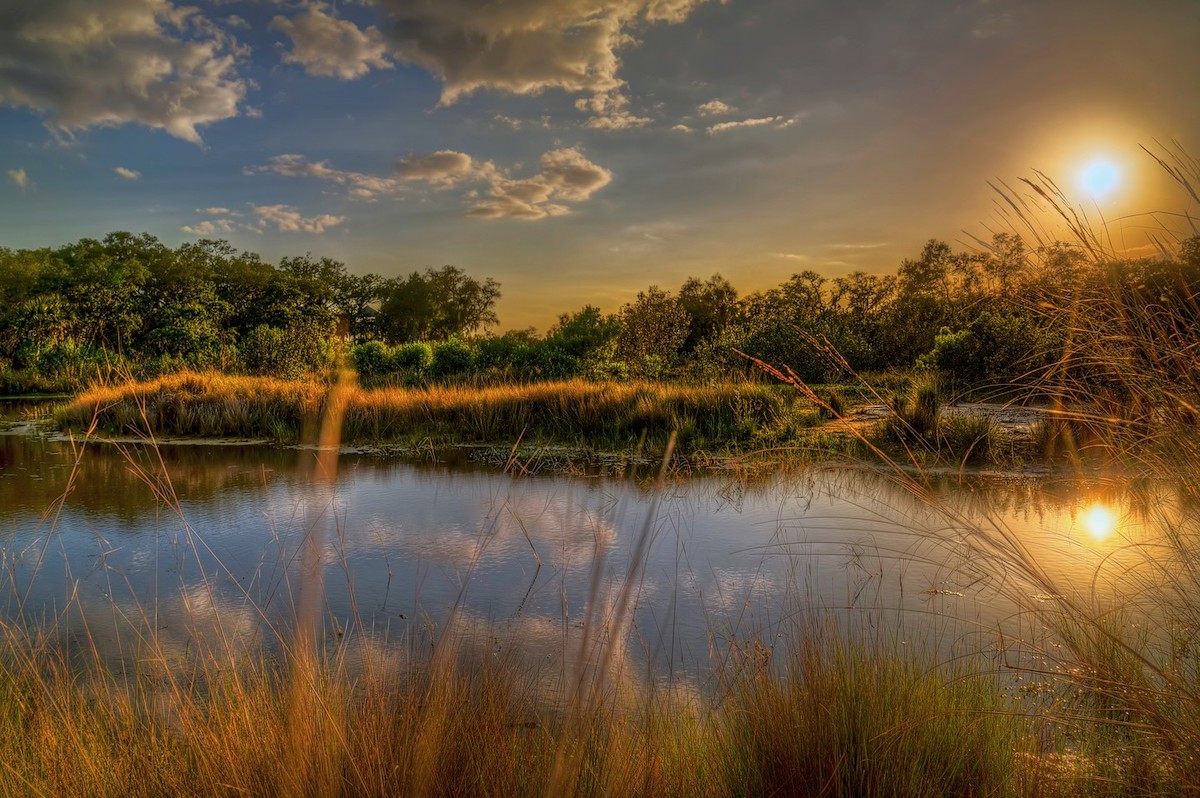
(614, 414)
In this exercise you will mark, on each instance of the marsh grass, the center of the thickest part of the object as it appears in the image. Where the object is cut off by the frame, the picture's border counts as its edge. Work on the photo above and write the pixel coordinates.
(577, 411)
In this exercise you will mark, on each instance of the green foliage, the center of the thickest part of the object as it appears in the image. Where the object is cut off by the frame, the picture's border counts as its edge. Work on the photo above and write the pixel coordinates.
(710, 305)
(289, 354)
(452, 356)
(991, 349)
(655, 325)
(371, 359)
(416, 356)
(440, 303)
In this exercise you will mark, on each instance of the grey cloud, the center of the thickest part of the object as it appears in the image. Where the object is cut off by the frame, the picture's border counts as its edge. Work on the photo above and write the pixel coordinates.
(522, 46)
(113, 62)
(327, 46)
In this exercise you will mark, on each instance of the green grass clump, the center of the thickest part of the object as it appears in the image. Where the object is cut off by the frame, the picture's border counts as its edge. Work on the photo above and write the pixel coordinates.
(846, 719)
(914, 422)
(970, 438)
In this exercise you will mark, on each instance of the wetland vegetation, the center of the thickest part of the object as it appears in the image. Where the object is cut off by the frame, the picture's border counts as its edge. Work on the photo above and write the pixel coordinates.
(1091, 693)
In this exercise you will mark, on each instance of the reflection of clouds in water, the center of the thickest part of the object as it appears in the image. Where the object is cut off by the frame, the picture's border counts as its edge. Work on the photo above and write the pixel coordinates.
(184, 628)
(561, 530)
(726, 589)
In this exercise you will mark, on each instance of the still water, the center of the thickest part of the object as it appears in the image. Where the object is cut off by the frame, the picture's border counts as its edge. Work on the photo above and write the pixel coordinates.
(189, 548)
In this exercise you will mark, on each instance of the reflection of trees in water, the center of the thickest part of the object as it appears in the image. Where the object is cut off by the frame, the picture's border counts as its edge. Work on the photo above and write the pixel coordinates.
(111, 480)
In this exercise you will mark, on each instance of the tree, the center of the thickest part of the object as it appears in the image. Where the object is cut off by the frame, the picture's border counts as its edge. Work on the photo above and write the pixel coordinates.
(654, 325)
(583, 332)
(353, 296)
(711, 305)
(437, 305)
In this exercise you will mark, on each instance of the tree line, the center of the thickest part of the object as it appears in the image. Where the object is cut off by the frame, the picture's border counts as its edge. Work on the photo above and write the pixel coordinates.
(991, 315)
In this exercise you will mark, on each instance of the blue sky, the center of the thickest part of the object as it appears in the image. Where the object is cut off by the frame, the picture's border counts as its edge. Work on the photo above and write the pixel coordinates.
(581, 150)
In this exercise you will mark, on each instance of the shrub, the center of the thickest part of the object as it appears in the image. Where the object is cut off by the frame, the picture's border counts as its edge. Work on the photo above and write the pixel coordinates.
(452, 356)
(273, 352)
(371, 359)
(992, 348)
(416, 356)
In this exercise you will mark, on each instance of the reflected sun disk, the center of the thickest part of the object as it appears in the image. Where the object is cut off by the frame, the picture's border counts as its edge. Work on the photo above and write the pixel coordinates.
(1099, 522)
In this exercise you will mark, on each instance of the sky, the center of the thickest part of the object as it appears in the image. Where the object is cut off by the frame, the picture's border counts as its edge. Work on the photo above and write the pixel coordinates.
(578, 151)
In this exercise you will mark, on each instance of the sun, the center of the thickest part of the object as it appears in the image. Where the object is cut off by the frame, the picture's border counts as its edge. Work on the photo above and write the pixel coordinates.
(1099, 522)
(1099, 178)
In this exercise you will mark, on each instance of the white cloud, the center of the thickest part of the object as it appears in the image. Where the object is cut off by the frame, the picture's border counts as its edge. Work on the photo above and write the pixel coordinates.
(522, 46)
(441, 168)
(209, 227)
(213, 211)
(287, 219)
(327, 46)
(777, 121)
(18, 178)
(566, 176)
(234, 21)
(789, 256)
(682, 128)
(714, 108)
(359, 185)
(609, 111)
(128, 174)
(114, 62)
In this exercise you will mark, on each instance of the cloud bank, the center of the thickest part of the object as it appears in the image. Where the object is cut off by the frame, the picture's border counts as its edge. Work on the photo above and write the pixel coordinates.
(114, 62)
(519, 46)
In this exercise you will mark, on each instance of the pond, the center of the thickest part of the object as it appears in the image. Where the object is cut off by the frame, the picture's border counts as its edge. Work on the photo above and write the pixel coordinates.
(129, 552)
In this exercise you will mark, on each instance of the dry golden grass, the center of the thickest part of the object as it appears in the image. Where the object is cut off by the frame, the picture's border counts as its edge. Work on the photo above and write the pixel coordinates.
(576, 411)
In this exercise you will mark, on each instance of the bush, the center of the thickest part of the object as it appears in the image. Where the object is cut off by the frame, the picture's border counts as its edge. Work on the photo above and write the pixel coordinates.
(416, 356)
(371, 359)
(290, 354)
(994, 348)
(452, 356)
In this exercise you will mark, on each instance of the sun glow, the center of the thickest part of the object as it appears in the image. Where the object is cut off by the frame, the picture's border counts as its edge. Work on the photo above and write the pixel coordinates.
(1100, 178)
(1100, 522)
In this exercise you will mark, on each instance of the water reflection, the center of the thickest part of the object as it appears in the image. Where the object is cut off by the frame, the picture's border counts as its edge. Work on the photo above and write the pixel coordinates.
(1100, 522)
(193, 549)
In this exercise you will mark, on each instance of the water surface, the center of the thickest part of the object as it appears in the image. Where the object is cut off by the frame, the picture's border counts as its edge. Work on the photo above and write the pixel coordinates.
(202, 545)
